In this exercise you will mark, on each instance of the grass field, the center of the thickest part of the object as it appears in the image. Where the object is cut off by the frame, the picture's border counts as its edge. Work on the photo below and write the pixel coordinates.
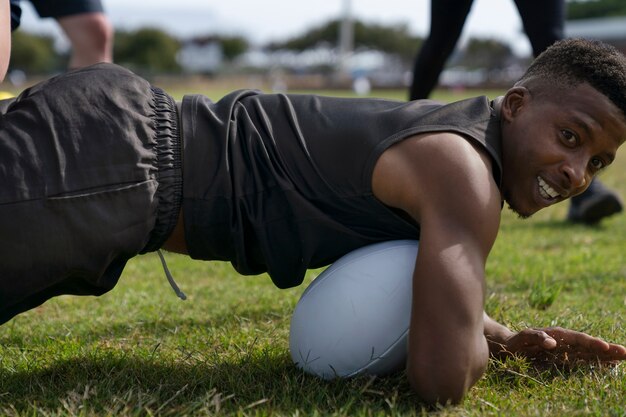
(224, 352)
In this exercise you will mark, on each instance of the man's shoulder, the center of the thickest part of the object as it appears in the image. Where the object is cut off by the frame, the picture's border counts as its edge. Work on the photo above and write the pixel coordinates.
(448, 161)
(440, 152)
(439, 172)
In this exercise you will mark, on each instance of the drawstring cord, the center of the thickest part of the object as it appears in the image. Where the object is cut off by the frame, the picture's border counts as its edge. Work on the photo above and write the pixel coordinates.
(170, 278)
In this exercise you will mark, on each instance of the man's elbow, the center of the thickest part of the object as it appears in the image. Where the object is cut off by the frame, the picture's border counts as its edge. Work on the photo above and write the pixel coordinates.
(446, 382)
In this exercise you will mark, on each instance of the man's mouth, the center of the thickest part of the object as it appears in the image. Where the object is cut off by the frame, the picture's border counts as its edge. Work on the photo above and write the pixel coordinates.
(546, 191)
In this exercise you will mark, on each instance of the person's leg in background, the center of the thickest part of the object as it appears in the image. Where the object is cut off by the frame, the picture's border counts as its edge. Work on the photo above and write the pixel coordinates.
(543, 23)
(85, 25)
(91, 36)
(596, 203)
(446, 24)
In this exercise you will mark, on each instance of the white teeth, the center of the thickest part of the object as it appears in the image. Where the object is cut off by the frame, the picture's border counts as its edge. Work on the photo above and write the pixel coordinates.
(545, 190)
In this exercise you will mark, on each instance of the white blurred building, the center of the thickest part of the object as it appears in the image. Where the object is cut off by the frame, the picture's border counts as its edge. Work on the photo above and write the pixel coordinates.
(201, 55)
(611, 30)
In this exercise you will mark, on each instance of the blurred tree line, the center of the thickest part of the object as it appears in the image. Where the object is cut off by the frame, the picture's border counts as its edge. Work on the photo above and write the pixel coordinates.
(392, 39)
(147, 51)
(397, 40)
(588, 9)
(33, 53)
(151, 50)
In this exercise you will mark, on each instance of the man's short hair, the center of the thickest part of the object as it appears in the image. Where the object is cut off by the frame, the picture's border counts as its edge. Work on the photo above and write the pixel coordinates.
(571, 62)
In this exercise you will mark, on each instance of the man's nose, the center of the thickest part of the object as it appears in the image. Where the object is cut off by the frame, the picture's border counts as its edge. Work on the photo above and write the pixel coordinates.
(577, 175)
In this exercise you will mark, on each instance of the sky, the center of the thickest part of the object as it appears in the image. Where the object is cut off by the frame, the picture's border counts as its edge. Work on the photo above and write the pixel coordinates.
(262, 21)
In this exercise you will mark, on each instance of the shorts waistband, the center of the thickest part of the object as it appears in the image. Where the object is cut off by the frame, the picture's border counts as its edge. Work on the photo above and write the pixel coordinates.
(169, 164)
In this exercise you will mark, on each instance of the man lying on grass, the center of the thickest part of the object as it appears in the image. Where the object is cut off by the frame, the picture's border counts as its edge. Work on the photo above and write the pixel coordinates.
(98, 166)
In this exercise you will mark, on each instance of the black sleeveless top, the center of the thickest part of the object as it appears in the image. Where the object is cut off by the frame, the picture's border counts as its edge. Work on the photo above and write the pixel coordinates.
(282, 183)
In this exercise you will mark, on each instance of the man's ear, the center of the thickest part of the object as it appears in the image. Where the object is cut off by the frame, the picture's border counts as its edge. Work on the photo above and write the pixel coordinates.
(514, 101)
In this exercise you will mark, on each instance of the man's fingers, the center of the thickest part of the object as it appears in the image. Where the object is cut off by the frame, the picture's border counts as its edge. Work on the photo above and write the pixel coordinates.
(573, 353)
(617, 351)
(549, 343)
(545, 340)
(560, 345)
(571, 338)
(564, 347)
(532, 339)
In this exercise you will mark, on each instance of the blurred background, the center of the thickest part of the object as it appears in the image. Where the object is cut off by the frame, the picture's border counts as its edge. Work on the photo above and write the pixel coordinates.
(281, 45)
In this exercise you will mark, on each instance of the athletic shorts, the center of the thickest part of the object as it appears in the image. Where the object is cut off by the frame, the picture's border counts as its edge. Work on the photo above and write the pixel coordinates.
(90, 167)
(16, 14)
(62, 8)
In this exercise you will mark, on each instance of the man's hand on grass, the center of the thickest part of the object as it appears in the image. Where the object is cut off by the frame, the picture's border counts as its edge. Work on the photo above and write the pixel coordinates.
(560, 346)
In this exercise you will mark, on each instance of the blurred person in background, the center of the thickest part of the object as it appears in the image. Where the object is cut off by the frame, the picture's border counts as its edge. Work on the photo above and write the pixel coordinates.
(83, 22)
(543, 23)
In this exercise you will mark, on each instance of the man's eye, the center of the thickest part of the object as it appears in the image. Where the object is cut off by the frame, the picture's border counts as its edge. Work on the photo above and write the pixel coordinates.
(569, 137)
(597, 163)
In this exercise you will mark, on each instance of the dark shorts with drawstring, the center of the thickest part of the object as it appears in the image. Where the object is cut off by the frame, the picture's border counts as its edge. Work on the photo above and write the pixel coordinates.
(62, 8)
(90, 176)
(55, 8)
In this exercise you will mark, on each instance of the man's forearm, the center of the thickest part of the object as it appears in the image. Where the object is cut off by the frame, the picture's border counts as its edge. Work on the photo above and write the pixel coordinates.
(496, 334)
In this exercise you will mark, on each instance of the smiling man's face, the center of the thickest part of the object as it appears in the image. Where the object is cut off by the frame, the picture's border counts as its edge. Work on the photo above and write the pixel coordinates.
(554, 143)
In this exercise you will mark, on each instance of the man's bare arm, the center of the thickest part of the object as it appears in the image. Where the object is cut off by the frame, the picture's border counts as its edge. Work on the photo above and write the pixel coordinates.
(5, 37)
(446, 185)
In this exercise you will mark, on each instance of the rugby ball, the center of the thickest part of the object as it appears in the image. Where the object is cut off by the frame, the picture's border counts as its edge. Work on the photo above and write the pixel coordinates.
(354, 317)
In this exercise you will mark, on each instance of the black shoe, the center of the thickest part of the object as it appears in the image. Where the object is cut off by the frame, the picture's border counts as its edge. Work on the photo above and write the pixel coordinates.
(596, 203)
